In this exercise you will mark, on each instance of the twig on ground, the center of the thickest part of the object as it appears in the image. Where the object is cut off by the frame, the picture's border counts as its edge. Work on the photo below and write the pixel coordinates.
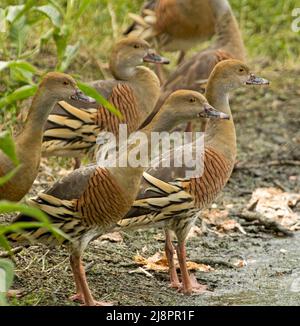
(12, 252)
(254, 216)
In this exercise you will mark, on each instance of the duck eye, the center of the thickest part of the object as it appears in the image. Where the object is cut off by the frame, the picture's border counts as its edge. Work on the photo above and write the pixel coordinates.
(192, 100)
(136, 46)
(66, 83)
(242, 70)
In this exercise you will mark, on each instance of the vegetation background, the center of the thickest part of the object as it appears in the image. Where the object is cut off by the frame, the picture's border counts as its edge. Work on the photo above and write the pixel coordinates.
(76, 36)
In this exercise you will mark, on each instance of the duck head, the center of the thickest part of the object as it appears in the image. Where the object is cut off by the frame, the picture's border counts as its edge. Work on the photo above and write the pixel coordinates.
(234, 74)
(186, 105)
(61, 86)
(129, 53)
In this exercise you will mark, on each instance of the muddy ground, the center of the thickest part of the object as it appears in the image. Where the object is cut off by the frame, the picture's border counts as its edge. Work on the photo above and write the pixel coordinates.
(267, 122)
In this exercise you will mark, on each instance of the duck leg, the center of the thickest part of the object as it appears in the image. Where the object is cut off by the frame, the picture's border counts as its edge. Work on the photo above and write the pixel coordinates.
(189, 284)
(83, 292)
(78, 297)
(169, 249)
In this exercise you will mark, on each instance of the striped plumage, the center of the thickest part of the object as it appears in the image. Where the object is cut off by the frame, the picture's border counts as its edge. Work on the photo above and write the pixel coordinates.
(82, 211)
(88, 201)
(73, 131)
(193, 73)
(174, 202)
(73, 127)
(174, 205)
(174, 25)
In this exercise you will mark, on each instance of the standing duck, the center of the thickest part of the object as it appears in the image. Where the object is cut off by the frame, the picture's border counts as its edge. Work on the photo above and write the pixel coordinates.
(54, 87)
(72, 127)
(91, 199)
(174, 201)
(174, 25)
(193, 73)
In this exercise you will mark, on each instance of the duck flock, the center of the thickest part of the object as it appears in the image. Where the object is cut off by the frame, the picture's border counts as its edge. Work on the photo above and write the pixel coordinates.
(92, 200)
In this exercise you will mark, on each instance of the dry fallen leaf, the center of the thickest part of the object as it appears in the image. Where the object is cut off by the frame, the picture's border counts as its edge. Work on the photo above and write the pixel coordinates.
(276, 205)
(112, 237)
(240, 263)
(220, 218)
(215, 216)
(231, 225)
(158, 263)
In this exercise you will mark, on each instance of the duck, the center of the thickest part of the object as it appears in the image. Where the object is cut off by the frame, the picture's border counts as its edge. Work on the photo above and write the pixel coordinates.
(174, 25)
(72, 128)
(88, 201)
(194, 72)
(169, 199)
(54, 87)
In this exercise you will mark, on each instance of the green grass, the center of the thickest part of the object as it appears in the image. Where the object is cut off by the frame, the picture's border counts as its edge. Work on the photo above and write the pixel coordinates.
(266, 26)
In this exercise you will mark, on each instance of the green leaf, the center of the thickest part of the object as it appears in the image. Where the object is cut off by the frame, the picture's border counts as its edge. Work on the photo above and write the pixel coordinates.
(20, 12)
(52, 13)
(8, 176)
(82, 8)
(23, 65)
(4, 243)
(18, 64)
(90, 91)
(11, 207)
(17, 95)
(58, 6)
(6, 279)
(61, 44)
(69, 55)
(7, 146)
(13, 12)
(19, 33)
(2, 21)
(21, 75)
(4, 64)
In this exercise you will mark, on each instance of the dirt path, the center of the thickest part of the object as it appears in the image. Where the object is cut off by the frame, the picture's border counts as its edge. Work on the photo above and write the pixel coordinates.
(267, 123)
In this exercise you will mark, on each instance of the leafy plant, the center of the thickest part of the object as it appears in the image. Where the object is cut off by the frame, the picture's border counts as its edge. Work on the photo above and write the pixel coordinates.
(6, 267)
(6, 279)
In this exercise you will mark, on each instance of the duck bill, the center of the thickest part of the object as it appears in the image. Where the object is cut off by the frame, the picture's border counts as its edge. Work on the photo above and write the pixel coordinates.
(155, 58)
(80, 96)
(212, 113)
(254, 80)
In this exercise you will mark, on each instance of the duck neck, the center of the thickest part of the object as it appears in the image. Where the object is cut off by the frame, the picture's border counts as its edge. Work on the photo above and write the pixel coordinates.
(122, 71)
(129, 177)
(146, 87)
(29, 141)
(143, 81)
(220, 134)
(42, 104)
(228, 35)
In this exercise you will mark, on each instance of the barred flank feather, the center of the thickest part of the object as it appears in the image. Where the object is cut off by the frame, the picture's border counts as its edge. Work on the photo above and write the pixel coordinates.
(176, 204)
(73, 131)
